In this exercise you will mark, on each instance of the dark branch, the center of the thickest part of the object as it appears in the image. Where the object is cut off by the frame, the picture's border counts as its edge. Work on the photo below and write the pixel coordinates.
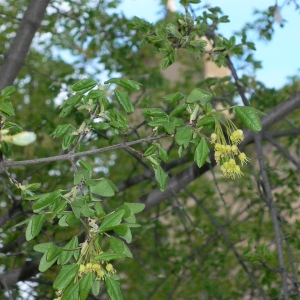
(15, 57)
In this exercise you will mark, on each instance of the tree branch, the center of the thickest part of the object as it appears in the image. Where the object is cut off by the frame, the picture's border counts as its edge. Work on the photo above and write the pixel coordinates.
(11, 277)
(15, 57)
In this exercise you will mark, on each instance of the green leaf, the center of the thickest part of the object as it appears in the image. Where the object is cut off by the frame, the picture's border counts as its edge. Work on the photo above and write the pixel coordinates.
(172, 29)
(111, 220)
(45, 200)
(163, 154)
(65, 276)
(23, 222)
(103, 188)
(66, 111)
(7, 108)
(37, 224)
(61, 130)
(33, 186)
(113, 288)
(53, 252)
(136, 207)
(208, 120)
(198, 95)
(158, 122)
(166, 62)
(249, 116)
(99, 210)
(86, 166)
(45, 264)
(127, 252)
(125, 83)
(178, 109)
(174, 97)
(83, 86)
(58, 207)
(71, 292)
(7, 91)
(161, 177)
(183, 136)
(68, 140)
(116, 245)
(94, 94)
(124, 101)
(85, 285)
(151, 150)
(201, 153)
(44, 247)
(67, 253)
(121, 229)
(153, 112)
(110, 256)
(170, 127)
(96, 287)
(28, 233)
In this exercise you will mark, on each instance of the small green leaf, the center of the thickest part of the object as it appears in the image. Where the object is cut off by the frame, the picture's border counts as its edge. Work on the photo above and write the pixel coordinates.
(65, 276)
(113, 288)
(163, 154)
(151, 150)
(71, 292)
(37, 223)
(127, 252)
(125, 83)
(111, 220)
(174, 97)
(158, 122)
(110, 256)
(183, 136)
(7, 91)
(116, 245)
(249, 116)
(208, 120)
(172, 29)
(124, 101)
(161, 177)
(53, 252)
(121, 229)
(28, 233)
(198, 95)
(178, 109)
(85, 285)
(166, 62)
(23, 222)
(153, 112)
(44, 264)
(96, 287)
(44, 247)
(135, 207)
(83, 86)
(7, 108)
(61, 130)
(170, 127)
(45, 200)
(86, 166)
(67, 253)
(201, 153)
(103, 188)
(99, 210)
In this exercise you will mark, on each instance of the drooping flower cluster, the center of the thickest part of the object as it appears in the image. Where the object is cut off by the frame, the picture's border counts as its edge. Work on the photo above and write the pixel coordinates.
(97, 269)
(226, 152)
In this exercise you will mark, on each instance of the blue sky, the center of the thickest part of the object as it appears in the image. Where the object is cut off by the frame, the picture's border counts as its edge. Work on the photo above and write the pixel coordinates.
(279, 57)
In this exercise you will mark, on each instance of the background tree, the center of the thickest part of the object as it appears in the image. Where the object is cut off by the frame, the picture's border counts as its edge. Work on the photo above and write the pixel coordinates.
(203, 236)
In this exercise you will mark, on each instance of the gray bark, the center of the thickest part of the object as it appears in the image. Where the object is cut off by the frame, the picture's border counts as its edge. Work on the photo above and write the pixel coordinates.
(15, 57)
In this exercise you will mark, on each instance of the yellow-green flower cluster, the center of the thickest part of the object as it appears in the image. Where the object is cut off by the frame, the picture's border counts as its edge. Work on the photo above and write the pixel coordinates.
(97, 269)
(226, 152)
